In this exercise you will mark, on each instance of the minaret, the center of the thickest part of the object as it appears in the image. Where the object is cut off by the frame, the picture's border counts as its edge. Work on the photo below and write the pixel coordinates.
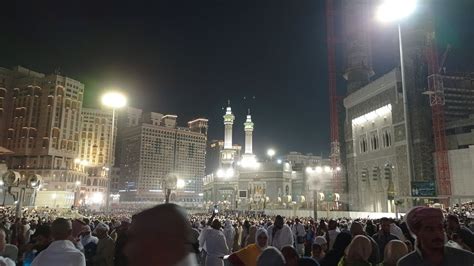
(248, 127)
(358, 69)
(228, 123)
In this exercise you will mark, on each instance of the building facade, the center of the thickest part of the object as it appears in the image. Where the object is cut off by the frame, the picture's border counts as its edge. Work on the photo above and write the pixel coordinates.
(156, 149)
(460, 136)
(43, 126)
(96, 152)
(376, 145)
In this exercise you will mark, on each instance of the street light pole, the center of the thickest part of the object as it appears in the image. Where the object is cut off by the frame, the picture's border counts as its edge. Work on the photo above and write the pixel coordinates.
(109, 172)
(396, 10)
(405, 107)
(315, 204)
(113, 100)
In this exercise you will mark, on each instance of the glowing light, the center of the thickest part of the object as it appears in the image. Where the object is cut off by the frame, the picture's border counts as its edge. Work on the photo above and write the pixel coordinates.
(54, 196)
(114, 100)
(77, 161)
(338, 169)
(371, 116)
(97, 198)
(395, 10)
(249, 162)
(271, 152)
(309, 170)
(319, 169)
(279, 161)
(78, 183)
(327, 169)
(220, 173)
(180, 183)
(2, 183)
(229, 173)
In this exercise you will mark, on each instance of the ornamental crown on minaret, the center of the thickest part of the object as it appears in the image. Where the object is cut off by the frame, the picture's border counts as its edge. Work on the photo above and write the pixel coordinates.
(248, 125)
(229, 117)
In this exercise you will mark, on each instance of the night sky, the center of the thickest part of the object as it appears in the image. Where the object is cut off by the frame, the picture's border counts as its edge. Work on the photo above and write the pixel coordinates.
(189, 57)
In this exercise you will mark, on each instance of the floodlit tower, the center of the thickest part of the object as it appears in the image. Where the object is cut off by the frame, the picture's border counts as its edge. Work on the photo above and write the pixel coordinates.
(248, 127)
(228, 124)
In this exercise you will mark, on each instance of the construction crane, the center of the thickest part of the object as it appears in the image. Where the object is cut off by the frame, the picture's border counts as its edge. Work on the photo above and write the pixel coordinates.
(437, 101)
(333, 98)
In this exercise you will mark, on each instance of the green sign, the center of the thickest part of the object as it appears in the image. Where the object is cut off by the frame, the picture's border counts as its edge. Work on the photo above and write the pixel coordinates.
(423, 189)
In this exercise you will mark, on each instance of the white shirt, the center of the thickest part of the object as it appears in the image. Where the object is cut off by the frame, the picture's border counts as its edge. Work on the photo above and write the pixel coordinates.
(215, 243)
(229, 233)
(283, 237)
(60, 252)
(6, 262)
(298, 228)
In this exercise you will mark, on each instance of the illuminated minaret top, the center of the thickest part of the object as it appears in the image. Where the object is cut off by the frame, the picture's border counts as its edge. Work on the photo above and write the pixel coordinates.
(228, 123)
(248, 127)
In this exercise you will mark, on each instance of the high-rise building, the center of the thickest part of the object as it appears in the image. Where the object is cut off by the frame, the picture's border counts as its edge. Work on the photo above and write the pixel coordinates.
(96, 150)
(152, 151)
(43, 128)
(459, 95)
(126, 117)
(96, 139)
(460, 137)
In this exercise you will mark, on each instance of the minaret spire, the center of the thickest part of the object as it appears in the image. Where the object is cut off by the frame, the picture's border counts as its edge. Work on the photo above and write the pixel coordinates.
(248, 127)
(228, 124)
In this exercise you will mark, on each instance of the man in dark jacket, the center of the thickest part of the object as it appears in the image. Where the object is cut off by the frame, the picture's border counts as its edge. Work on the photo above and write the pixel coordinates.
(384, 236)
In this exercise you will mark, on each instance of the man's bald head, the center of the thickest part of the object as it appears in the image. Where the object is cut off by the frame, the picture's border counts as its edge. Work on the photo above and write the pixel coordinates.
(61, 229)
(159, 236)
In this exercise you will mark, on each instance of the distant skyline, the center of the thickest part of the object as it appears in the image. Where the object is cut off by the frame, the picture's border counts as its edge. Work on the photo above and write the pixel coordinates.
(190, 57)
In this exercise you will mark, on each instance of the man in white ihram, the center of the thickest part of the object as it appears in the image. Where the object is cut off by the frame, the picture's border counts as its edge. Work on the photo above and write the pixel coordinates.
(61, 251)
(215, 242)
(3, 260)
(299, 235)
(279, 234)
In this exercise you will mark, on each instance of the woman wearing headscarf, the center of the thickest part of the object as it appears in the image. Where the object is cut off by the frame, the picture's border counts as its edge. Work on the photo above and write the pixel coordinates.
(394, 250)
(358, 252)
(271, 257)
(334, 255)
(248, 255)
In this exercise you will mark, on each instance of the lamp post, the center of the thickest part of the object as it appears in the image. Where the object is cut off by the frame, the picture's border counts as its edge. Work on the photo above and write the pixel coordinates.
(390, 11)
(77, 186)
(112, 100)
(19, 185)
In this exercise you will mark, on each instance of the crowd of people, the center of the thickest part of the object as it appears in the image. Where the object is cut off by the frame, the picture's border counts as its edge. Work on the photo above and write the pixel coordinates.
(167, 235)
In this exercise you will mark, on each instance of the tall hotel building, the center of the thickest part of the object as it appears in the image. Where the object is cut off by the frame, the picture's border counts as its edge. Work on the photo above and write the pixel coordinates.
(41, 124)
(96, 150)
(156, 148)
